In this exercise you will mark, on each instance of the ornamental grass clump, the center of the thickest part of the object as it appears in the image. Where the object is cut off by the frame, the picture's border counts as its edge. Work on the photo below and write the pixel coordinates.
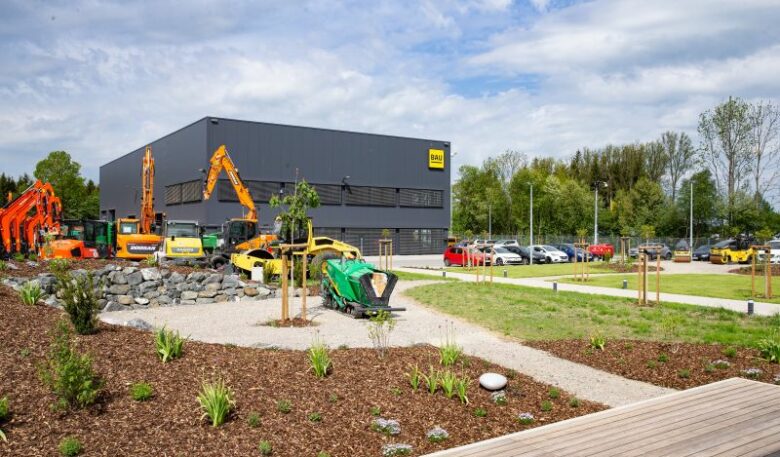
(380, 326)
(770, 348)
(461, 389)
(70, 447)
(30, 293)
(141, 391)
(265, 448)
(169, 344)
(216, 401)
(395, 449)
(480, 412)
(448, 380)
(414, 376)
(431, 380)
(525, 418)
(598, 341)
(449, 352)
(80, 301)
(437, 434)
(389, 427)
(319, 359)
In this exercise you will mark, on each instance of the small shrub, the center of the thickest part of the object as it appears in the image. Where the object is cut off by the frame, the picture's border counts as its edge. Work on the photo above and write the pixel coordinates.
(684, 373)
(721, 364)
(315, 417)
(461, 389)
(447, 381)
(323, 454)
(30, 293)
(480, 412)
(265, 448)
(319, 359)
(709, 368)
(253, 420)
(216, 401)
(437, 434)
(547, 406)
(499, 398)
(4, 410)
(395, 449)
(752, 373)
(386, 426)
(574, 402)
(284, 406)
(651, 364)
(525, 418)
(69, 374)
(770, 348)
(70, 447)
(79, 301)
(32, 256)
(449, 352)
(3, 265)
(59, 267)
(730, 352)
(18, 257)
(141, 391)
(663, 358)
(150, 261)
(554, 393)
(598, 341)
(395, 391)
(414, 377)
(380, 327)
(375, 410)
(431, 380)
(333, 398)
(169, 344)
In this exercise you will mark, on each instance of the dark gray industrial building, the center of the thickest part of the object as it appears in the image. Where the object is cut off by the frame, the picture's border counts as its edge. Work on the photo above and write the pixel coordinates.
(402, 184)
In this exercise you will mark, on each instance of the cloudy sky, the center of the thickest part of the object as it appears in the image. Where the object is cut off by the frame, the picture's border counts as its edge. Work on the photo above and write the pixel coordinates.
(100, 78)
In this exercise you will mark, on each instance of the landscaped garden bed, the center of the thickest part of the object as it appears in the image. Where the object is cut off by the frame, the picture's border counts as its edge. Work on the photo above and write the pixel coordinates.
(32, 268)
(281, 407)
(774, 269)
(675, 365)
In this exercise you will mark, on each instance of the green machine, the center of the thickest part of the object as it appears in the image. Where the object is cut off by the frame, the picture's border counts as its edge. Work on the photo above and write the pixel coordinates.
(356, 287)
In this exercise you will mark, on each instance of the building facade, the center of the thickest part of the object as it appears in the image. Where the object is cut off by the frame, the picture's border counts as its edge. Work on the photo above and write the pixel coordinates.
(366, 182)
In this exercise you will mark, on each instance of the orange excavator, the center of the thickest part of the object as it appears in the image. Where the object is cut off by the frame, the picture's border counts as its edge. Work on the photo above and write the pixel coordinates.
(135, 238)
(20, 231)
(239, 234)
(13, 215)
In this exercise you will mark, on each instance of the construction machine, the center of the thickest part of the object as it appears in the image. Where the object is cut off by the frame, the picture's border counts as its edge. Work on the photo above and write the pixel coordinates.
(81, 239)
(135, 238)
(13, 216)
(737, 250)
(181, 242)
(238, 234)
(356, 287)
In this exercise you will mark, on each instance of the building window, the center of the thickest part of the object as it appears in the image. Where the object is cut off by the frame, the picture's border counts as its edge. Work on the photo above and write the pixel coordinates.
(261, 191)
(420, 198)
(173, 194)
(191, 191)
(370, 196)
(330, 194)
(421, 241)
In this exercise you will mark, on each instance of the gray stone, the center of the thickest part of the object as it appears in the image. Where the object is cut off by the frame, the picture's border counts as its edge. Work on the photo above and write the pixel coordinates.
(176, 278)
(135, 278)
(247, 298)
(129, 270)
(140, 324)
(239, 292)
(207, 294)
(230, 292)
(188, 302)
(101, 302)
(165, 273)
(119, 289)
(214, 286)
(152, 294)
(147, 286)
(164, 300)
(142, 301)
(119, 278)
(11, 266)
(264, 292)
(251, 291)
(51, 300)
(125, 300)
(151, 274)
(189, 295)
(215, 278)
(113, 306)
(230, 282)
(32, 264)
(221, 298)
(196, 276)
(204, 301)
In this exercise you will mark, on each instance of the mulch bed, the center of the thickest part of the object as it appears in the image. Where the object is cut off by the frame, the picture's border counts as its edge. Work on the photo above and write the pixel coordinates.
(640, 360)
(628, 268)
(25, 270)
(170, 423)
(294, 322)
(775, 270)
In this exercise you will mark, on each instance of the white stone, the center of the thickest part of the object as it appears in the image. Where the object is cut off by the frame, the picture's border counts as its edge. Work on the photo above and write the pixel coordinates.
(492, 381)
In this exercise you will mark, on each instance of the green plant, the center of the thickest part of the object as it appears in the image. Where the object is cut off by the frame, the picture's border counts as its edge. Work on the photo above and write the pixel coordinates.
(598, 341)
(449, 352)
(3, 265)
(670, 327)
(380, 327)
(169, 344)
(265, 448)
(315, 417)
(4, 412)
(709, 368)
(769, 347)
(480, 412)
(19, 257)
(651, 364)
(333, 398)
(70, 447)
(553, 393)
(546, 406)
(323, 454)
(375, 411)
(59, 267)
(30, 293)
(24, 352)
(730, 352)
(663, 358)
(431, 380)
(79, 301)
(141, 391)
(461, 388)
(69, 374)
(414, 377)
(574, 402)
(684, 373)
(216, 401)
(319, 360)
(32, 256)
(284, 406)
(150, 261)
(395, 391)
(253, 419)
(447, 381)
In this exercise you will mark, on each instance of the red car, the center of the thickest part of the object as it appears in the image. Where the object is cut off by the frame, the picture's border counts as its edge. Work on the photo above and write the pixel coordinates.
(601, 250)
(458, 255)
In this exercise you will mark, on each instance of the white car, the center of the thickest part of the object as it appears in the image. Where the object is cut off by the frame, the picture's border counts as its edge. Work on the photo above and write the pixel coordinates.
(774, 252)
(551, 254)
(501, 243)
(504, 256)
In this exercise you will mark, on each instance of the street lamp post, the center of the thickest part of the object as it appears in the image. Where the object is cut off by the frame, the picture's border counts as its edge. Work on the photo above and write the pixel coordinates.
(596, 184)
(531, 218)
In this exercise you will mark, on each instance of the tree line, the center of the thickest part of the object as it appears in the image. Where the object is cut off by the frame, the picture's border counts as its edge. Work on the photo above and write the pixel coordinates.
(733, 171)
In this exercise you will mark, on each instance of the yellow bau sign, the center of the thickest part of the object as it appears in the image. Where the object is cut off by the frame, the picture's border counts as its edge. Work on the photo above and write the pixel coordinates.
(436, 158)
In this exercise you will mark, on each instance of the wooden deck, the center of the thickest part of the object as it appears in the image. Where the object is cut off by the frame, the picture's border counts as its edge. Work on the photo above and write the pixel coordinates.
(735, 417)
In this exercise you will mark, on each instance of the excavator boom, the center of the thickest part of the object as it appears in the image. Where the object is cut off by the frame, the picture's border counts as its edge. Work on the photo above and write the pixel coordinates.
(219, 161)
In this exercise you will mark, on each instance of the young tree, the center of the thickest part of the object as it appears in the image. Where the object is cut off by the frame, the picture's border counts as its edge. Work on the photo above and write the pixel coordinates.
(707, 204)
(678, 150)
(298, 203)
(765, 124)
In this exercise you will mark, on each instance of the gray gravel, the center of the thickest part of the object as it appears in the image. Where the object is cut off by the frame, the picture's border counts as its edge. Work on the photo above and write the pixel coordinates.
(244, 324)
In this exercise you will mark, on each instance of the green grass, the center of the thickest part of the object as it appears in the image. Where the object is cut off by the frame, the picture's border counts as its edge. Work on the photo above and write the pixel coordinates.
(536, 314)
(731, 286)
(534, 271)
(408, 276)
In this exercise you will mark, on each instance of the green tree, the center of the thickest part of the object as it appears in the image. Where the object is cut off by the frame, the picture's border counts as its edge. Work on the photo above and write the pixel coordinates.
(295, 217)
(64, 174)
(707, 204)
(679, 153)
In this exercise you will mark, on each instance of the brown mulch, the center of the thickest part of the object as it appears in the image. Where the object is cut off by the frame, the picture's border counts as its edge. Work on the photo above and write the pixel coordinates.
(294, 322)
(639, 360)
(24, 270)
(170, 423)
(628, 268)
(774, 269)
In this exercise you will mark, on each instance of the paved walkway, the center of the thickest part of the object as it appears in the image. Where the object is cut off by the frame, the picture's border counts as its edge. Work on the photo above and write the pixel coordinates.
(243, 323)
(761, 308)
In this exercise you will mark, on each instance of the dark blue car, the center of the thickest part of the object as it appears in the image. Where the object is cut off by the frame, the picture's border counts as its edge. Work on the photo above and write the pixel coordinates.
(569, 249)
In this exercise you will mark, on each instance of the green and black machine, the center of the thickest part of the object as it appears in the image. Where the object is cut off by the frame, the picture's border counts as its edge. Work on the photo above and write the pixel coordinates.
(356, 287)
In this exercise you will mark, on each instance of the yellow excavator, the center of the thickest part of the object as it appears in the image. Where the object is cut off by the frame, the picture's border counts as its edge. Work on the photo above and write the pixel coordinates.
(135, 238)
(238, 234)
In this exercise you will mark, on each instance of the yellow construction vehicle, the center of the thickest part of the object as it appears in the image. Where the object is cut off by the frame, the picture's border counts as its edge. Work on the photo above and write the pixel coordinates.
(737, 250)
(135, 238)
(181, 241)
(238, 234)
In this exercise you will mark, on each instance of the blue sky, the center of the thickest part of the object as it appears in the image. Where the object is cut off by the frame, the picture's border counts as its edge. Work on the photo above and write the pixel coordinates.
(100, 78)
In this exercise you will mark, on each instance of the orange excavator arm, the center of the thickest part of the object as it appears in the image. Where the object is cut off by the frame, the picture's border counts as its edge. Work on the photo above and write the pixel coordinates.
(14, 213)
(219, 161)
(147, 192)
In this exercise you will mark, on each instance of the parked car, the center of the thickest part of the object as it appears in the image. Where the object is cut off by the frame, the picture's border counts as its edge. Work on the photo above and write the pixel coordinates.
(503, 256)
(601, 250)
(774, 252)
(702, 252)
(524, 254)
(666, 253)
(570, 251)
(551, 254)
(505, 243)
(456, 255)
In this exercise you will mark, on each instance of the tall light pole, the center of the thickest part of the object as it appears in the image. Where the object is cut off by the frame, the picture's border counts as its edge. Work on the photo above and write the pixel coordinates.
(596, 184)
(691, 219)
(531, 218)
(490, 221)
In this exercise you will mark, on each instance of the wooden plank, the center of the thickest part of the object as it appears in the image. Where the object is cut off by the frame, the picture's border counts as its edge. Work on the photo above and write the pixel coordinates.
(767, 445)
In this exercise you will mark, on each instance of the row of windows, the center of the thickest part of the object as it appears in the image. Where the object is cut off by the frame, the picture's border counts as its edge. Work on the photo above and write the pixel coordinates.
(405, 241)
(330, 194)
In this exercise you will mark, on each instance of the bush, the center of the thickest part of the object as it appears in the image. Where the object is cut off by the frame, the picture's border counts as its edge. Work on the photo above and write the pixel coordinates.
(414, 377)
(770, 348)
(461, 388)
(80, 302)
(663, 358)
(449, 352)
(598, 341)
(19, 257)
(284, 406)
(379, 328)
(59, 267)
(730, 352)
(70, 447)
(547, 406)
(265, 448)
(69, 374)
(253, 420)
(169, 344)
(30, 293)
(319, 360)
(480, 412)
(315, 417)
(141, 391)
(574, 402)
(554, 393)
(216, 401)
(525, 418)
(150, 261)
(684, 373)
(3, 265)
(4, 412)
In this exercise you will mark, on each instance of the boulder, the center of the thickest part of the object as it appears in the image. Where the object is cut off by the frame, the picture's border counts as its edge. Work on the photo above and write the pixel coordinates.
(11, 266)
(492, 381)
(51, 300)
(119, 289)
(263, 292)
(189, 295)
(113, 306)
(213, 286)
(151, 274)
(207, 294)
(142, 301)
(221, 298)
(148, 286)
(230, 282)
(214, 279)
(187, 302)
(176, 278)
(125, 300)
(230, 292)
(119, 278)
(164, 300)
(196, 276)
(140, 324)
(251, 291)
(129, 270)
(135, 278)
(152, 294)
(204, 301)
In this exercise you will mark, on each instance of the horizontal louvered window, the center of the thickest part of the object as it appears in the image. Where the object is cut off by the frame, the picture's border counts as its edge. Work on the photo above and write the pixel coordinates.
(173, 194)
(261, 191)
(421, 241)
(329, 232)
(367, 240)
(370, 196)
(191, 191)
(420, 198)
(330, 194)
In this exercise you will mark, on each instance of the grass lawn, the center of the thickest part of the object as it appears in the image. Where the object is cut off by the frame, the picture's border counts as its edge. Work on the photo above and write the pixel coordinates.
(534, 271)
(706, 285)
(536, 314)
(407, 276)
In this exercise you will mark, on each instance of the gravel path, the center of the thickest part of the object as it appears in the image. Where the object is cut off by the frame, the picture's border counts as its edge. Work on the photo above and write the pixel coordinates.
(244, 324)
